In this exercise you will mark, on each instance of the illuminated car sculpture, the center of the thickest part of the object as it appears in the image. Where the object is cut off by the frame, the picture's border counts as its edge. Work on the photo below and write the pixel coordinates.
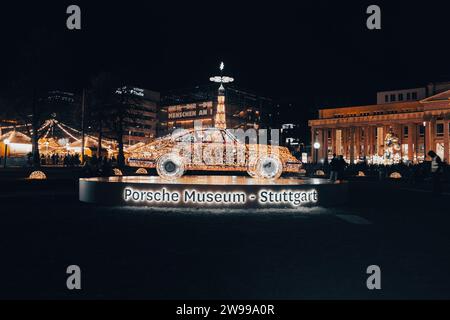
(212, 149)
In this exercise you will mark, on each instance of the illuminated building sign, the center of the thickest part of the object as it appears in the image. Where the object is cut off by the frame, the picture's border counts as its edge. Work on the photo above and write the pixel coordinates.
(192, 110)
(133, 91)
(294, 198)
(264, 197)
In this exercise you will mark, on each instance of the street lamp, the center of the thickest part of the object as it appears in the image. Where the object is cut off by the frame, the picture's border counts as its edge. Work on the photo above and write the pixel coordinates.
(316, 150)
(6, 142)
(67, 148)
(129, 138)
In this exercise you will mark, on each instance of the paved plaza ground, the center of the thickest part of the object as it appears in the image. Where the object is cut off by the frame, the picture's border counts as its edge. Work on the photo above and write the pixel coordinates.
(220, 254)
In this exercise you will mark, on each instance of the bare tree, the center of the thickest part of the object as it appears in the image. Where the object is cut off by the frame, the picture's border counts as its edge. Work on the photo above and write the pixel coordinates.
(30, 85)
(122, 115)
(111, 110)
(101, 98)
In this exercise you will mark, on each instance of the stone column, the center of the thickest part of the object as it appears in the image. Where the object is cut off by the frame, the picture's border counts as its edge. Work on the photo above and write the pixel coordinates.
(366, 141)
(418, 140)
(339, 141)
(352, 145)
(411, 136)
(323, 136)
(372, 142)
(429, 137)
(380, 138)
(333, 140)
(446, 140)
(416, 137)
(357, 142)
(325, 143)
(398, 130)
(345, 142)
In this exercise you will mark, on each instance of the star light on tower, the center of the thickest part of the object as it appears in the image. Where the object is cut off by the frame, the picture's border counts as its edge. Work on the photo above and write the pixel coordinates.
(220, 117)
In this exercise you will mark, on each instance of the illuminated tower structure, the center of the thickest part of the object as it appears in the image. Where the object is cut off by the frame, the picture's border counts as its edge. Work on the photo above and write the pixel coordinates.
(220, 119)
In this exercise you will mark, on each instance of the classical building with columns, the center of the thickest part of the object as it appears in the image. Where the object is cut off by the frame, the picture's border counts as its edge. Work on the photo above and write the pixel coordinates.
(384, 133)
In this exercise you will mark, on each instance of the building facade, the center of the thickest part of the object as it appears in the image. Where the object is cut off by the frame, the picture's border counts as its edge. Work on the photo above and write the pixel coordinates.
(386, 132)
(290, 134)
(142, 126)
(180, 109)
(412, 94)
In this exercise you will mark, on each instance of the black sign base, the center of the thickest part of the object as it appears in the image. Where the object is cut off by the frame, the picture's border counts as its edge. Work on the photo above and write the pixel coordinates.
(236, 192)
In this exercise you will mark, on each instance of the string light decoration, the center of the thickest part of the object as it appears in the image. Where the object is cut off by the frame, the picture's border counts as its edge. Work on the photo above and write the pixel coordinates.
(117, 172)
(141, 171)
(319, 173)
(46, 124)
(269, 167)
(74, 134)
(391, 146)
(88, 136)
(37, 175)
(47, 132)
(220, 121)
(193, 154)
(15, 126)
(395, 175)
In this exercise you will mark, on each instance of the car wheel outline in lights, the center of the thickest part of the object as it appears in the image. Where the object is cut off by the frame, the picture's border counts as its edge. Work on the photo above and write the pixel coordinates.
(170, 166)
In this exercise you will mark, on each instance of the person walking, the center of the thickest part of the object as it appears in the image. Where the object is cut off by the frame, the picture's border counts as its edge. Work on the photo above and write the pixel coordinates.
(341, 167)
(334, 168)
(436, 172)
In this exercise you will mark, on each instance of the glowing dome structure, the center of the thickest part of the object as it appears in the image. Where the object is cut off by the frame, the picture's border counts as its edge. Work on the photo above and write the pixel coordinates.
(117, 172)
(141, 171)
(37, 175)
(395, 175)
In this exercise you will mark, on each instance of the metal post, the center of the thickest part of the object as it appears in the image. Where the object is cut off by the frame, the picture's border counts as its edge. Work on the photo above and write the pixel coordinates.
(6, 155)
(82, 127)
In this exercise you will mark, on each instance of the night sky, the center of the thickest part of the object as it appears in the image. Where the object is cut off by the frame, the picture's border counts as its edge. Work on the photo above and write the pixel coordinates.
(312, 54)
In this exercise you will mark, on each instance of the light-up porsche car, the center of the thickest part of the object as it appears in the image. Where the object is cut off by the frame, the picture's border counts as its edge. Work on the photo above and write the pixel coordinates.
(212, 149)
